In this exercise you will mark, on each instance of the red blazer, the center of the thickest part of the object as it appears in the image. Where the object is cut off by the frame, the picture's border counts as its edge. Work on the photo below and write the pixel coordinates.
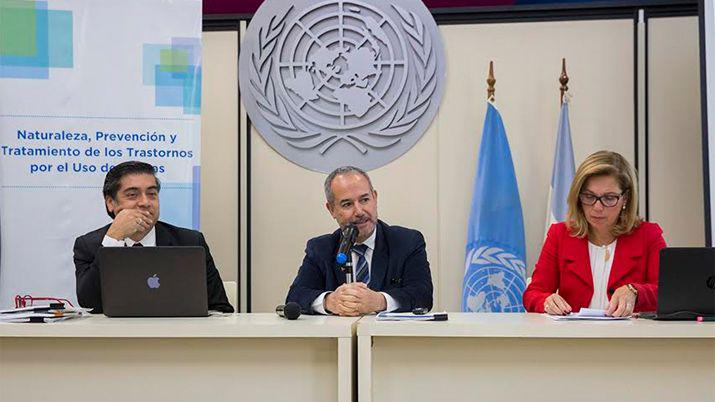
(564, 265)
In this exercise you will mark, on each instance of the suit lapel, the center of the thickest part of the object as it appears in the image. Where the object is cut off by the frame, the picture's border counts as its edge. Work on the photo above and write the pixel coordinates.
(628, 254)
(380, 260)
(577, 258)
(163, 237)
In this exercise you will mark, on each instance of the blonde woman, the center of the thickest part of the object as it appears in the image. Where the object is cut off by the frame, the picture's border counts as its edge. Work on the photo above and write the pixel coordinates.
(604, 256)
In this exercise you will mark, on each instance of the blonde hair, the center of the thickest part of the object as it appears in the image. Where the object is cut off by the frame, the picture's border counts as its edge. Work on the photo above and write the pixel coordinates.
(604, 163)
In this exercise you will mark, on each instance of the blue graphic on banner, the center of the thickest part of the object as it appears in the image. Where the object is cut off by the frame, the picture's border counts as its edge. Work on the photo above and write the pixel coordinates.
(495, 269)
(34, 39)
(563, 171)
(175, 197)
(175, 72)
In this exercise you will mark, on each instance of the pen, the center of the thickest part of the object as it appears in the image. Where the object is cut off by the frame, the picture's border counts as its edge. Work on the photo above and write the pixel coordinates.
(705, 318)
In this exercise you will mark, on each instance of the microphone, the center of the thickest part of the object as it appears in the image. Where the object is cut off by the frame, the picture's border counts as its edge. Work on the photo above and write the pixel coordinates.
(290, 310)
(346, 243)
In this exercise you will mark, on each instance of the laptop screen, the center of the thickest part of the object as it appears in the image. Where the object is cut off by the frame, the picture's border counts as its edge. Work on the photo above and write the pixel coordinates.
(686, 284)
(153, 281)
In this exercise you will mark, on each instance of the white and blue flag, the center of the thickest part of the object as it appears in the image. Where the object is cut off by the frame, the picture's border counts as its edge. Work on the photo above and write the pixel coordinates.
(495, 269)
(563, 172)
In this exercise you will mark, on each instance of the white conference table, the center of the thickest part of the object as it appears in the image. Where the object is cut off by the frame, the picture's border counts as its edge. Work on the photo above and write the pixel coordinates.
(261, 357)
(236, 357)
(529, 358)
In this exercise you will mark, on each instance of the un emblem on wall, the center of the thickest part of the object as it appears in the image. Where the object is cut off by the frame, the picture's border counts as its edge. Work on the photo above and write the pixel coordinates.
(334, 83)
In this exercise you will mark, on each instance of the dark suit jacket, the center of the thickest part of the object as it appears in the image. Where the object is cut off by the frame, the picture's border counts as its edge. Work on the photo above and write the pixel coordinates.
(565, 265)
(399, 268)
(89, 293)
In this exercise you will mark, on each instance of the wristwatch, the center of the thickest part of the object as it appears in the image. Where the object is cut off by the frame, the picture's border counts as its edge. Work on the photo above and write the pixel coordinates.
(633, 289)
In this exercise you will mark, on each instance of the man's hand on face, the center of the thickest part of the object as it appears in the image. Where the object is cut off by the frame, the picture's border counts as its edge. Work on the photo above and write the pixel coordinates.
(354, 299)
(129, 222)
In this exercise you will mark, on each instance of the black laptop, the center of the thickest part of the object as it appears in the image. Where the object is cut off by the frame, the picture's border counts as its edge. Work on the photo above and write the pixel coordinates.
(686, 284)
(153, 281)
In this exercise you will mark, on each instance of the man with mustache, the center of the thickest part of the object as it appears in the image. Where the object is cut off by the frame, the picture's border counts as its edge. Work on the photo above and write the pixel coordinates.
(390, 264)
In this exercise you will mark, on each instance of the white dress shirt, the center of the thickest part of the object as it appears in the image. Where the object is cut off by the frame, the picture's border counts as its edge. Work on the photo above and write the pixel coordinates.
(148, 241)
(391, 303)
(601, 261)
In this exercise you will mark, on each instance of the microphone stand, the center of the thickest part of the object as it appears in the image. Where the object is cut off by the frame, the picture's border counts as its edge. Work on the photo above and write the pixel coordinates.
(347, 241)
(348, 269)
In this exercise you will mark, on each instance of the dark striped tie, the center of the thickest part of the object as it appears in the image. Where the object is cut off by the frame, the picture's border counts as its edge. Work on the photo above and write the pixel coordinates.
(362, 273)
(137, 245)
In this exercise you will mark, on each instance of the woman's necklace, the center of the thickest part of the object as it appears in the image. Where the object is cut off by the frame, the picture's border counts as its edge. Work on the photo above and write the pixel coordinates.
(606, 248)
(607, 255)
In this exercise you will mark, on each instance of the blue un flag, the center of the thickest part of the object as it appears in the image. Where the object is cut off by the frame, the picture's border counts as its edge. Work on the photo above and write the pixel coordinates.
(495, 269)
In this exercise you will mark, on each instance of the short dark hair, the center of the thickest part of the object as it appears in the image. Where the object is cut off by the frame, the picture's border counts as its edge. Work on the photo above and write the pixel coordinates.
(328, 184)
(114, 177)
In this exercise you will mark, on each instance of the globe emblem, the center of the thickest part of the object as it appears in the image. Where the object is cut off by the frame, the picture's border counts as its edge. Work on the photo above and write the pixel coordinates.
(491, 283)
(342, 64)
(328, 83)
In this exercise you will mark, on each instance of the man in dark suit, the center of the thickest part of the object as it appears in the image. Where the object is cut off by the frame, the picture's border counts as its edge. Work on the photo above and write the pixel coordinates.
(389, 262)
(131, 195)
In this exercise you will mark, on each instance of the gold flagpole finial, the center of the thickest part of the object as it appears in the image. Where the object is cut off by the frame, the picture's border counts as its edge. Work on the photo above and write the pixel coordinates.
(490, 82)
(563, 79)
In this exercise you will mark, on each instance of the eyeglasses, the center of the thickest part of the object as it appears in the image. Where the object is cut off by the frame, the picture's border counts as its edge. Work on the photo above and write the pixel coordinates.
(27, 300)
(607, 200)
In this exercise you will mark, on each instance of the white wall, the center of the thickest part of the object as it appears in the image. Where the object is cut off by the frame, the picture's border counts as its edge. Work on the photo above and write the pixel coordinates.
(675, 165)
(219, 144)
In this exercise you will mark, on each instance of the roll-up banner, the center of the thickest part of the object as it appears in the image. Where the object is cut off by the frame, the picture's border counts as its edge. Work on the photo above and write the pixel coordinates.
(86, 85)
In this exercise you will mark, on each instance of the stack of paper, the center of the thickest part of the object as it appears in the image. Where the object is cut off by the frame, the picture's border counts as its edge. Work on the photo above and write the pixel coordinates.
(42, 313)
(586, 314)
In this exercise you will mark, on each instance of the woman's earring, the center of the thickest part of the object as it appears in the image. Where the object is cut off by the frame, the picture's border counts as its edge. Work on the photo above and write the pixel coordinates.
(624, 207)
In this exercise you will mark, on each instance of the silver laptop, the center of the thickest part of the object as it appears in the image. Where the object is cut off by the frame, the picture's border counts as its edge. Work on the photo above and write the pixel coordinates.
(153, 281)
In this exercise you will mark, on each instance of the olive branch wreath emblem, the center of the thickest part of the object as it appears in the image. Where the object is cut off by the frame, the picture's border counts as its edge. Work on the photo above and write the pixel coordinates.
(486, 255)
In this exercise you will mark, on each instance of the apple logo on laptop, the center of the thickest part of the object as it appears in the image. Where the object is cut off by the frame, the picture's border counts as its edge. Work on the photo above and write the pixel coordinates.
(153, 282)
